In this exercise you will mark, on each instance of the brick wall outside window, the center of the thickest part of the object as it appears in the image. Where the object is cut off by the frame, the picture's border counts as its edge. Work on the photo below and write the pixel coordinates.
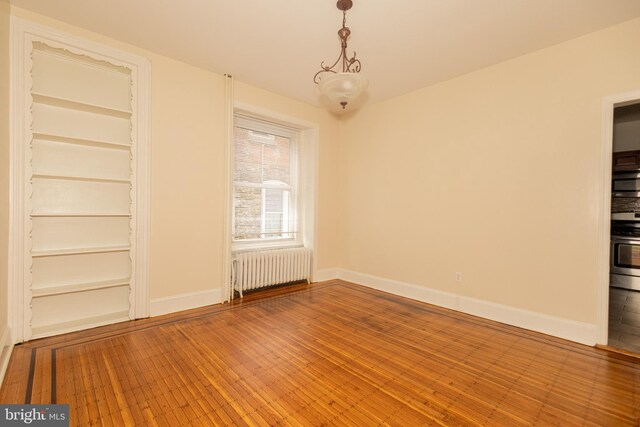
(258, 160)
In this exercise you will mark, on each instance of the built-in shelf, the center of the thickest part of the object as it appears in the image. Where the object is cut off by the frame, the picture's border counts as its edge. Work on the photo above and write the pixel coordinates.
(47, 136)
(75, 325)
(81, 178)
(78, 287)
(76, 251)
(58, 101)
(79, 170)
(80, 214)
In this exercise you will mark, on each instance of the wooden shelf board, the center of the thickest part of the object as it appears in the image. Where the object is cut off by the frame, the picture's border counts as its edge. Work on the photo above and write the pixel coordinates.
(75, 251)
(47, 136)
(58, 101)
(78, 287)
(76, 325)
(80, 214)
(81, 178)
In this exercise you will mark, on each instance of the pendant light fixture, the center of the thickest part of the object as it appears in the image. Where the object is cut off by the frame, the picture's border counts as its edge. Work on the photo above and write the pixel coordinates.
(342, 87)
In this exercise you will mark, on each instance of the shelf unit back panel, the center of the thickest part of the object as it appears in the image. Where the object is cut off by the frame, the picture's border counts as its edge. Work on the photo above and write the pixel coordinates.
(78, 306)
(56, 233)
(63, 196)
(70, 123)
(74, 269)
(81, 159)
(56, 158)
(94, 82)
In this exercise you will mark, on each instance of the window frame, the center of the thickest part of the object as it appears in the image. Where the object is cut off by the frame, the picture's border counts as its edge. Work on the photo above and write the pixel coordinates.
(255, 124)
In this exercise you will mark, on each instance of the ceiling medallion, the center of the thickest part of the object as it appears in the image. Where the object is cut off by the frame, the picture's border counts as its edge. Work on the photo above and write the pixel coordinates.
(342, 87)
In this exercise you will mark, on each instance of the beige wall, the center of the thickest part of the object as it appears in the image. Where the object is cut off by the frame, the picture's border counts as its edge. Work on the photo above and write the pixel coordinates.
(187, 164)
(4, 159)
(494, 174)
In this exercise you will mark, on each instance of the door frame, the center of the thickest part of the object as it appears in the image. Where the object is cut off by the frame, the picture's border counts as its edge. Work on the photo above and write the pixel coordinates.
(604, 228)
(23, 34)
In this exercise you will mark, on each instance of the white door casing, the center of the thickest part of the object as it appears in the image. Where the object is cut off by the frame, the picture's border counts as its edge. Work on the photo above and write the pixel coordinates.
(604, 224)
(24, 35)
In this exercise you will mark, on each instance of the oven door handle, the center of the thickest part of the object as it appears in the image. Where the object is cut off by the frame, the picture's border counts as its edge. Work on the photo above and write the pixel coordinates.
(615, 239)
(629, 194)
(625, 175)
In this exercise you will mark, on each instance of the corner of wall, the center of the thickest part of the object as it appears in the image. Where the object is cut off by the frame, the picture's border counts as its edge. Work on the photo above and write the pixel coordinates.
(4, 185)
(6, 348)
(341, 194)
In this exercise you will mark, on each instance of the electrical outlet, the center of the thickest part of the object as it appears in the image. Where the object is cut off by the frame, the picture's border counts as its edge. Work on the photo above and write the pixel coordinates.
(458, 276)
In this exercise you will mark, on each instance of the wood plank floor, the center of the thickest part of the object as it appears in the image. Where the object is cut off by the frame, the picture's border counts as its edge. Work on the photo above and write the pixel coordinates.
(326, 354)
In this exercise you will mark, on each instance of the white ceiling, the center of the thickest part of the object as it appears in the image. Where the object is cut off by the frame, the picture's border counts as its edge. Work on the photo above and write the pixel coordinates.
(278, 44)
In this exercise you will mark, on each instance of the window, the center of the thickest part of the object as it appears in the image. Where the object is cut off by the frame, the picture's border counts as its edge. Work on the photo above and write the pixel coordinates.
(265, 205)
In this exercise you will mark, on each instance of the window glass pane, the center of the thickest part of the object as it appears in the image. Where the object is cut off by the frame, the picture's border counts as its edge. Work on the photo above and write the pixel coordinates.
(273, 225)
(248, 158)
(261, 213)
(276, 213)
(263, 182)
(276, 164)
(260, 157)
(273, 200)
(248, 213)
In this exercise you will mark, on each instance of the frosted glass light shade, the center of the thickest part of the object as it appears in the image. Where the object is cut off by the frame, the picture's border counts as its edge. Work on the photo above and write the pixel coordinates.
(343, 88)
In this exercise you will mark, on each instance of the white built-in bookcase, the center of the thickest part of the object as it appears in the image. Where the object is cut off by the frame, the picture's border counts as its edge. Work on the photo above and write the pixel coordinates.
(82, 225)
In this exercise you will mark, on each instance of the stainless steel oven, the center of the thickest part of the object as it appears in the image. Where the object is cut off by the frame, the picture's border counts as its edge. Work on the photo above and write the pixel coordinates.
(625, 262)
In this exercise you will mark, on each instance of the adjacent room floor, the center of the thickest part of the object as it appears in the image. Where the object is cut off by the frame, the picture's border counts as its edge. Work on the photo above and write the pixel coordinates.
(624, 319)
(331, 353)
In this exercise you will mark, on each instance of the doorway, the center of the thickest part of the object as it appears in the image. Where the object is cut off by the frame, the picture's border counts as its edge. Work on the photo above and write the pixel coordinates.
(619, 287)
(624, 274)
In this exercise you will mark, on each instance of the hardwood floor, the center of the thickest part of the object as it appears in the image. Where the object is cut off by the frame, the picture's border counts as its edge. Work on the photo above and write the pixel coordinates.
(327, 354)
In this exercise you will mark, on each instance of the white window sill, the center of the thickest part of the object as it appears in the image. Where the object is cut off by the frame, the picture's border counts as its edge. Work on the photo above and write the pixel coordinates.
(264, 246)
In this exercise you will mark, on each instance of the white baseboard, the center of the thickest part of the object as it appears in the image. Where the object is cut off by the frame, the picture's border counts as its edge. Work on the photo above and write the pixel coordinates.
(580, 332)
(6, 348)
(182, 302)
(326, 274)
